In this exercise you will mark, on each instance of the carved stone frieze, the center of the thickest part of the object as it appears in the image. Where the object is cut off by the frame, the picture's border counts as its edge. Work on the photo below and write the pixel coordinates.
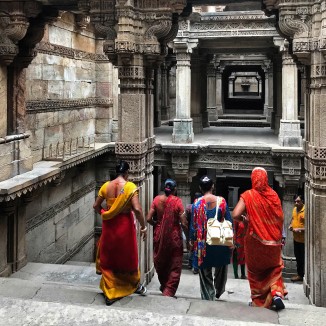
(59, 105)
(62, 51)
(180, 162)
(134, 149)
(131, 72)
(291, 166)
(227, 25)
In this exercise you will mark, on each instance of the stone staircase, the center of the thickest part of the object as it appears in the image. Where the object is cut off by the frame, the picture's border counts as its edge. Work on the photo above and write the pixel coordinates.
(45, 294)
(241, 120)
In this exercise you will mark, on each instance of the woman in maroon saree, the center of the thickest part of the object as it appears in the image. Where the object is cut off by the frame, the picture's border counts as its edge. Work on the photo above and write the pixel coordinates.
(165, 215)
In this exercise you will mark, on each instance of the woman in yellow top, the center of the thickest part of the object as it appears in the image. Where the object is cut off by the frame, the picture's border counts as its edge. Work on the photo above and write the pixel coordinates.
(117, 253)
(297, 227)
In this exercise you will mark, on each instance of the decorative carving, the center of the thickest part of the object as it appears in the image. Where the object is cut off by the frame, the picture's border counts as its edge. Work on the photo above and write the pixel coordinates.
(48, 48)
(133, 72)
(59, 105)
(122, 148)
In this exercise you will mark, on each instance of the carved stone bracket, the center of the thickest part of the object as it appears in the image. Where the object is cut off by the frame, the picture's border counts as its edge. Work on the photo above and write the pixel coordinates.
(295, 23)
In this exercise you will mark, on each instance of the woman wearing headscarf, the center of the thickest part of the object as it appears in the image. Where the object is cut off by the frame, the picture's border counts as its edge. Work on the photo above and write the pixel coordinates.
(166, 214)
(207, 257)
(117, 253)
(261, 208)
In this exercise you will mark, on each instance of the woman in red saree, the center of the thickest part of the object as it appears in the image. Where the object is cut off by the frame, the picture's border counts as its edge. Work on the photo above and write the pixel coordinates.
(117, 253)
(261, 208)
(165, 215)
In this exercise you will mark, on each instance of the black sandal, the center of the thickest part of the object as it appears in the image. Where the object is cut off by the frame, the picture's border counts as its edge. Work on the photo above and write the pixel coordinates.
(141, 290)
(109, 302)
(277, 303)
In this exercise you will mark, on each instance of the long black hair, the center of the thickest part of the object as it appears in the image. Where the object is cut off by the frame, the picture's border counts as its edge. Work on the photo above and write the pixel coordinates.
(122, 168)
(169, 186)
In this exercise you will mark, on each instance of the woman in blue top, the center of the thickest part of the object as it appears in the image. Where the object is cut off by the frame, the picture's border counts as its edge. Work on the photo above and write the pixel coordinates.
(205, 256)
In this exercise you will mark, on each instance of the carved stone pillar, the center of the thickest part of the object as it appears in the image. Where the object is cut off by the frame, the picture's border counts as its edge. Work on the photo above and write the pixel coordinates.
(260, 85)
(290, 182)
(158, 97)
(266, 68)
(211, 91)
(290, 134)
(270, 108)
(115, 104)
(219, 91)
(231, 84)
(315, 188)
(303, 90)
(196, 90)
(182, 125)
(164, 91)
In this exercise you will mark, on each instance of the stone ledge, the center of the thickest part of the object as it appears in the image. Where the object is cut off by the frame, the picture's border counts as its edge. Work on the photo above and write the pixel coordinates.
(46, 171)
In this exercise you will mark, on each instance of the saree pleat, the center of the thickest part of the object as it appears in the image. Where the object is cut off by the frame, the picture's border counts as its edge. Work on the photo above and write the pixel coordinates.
(264, 271)
(263, 240)
(168, 247)
(117, 253)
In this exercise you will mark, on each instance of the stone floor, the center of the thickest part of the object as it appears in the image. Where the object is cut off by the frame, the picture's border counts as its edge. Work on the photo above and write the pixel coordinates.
(251, 136)
(44, 294)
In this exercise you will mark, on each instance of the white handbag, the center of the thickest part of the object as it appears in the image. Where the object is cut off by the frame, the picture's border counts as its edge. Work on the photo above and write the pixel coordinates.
(219, 233)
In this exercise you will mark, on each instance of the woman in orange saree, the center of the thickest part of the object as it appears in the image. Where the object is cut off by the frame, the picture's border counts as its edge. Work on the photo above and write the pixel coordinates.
(168, 246)
(117, 253)
(261, 208)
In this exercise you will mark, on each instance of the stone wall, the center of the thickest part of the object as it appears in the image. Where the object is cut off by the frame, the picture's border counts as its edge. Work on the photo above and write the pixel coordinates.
(64, 222)
(69, 103)
(68, 88)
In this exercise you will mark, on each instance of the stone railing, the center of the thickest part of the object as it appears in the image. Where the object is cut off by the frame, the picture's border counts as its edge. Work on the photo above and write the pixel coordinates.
(68, 148)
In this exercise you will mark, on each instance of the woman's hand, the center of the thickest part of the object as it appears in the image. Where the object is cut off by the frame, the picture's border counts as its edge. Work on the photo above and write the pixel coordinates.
(143, 233)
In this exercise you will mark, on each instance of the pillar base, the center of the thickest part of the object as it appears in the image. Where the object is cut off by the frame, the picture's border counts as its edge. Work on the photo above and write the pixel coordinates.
(182, 131)
(197, 124)
(290, 133)
(212, 114)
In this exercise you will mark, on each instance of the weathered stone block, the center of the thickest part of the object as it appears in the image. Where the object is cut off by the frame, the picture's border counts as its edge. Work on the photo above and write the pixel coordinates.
(83, 43)
(34, 71)
(51, 72)
(86, 254)
(55, 89)
(26, 165)
(83, 228)
(36, 90)
(5, 158)
(60, 36)
(84, 89)
(103, 113)
(69, 73)
(38, 239)
(103, 89)
(103, 126)
(53, 135)
(6, 172)
(37, 155)
(53, 60)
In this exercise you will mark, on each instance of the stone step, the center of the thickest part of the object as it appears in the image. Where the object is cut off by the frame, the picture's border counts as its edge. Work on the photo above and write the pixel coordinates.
(39, 289)
(15, 312)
